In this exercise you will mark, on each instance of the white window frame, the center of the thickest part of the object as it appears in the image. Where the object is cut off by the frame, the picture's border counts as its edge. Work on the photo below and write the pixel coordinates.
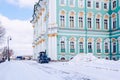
(59, 18)
(107, 6)
(91, 22)
(107, 24)
(73, 3)
(81, 3)
(99, 5)
(99, 23)
(112, 5)
(114, 19)
(61, 23)
(107, 41)
(62, 4)
(91, 4)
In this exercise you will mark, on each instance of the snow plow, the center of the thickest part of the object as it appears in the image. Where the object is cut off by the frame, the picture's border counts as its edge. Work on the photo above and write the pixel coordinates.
(43, 58)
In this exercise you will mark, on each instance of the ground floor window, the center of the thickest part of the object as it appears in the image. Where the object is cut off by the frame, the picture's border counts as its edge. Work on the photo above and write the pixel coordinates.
(106, 47)
(72, 49)
(114, 47)
(62, 46)
(98, 48)
(89, 47)
(81, 50)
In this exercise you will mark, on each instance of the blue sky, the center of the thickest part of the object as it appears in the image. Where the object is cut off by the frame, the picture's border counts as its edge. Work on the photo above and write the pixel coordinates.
(15, 12)
(15, 16)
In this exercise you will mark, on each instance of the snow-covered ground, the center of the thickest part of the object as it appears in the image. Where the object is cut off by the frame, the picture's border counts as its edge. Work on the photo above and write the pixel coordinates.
(82, 67)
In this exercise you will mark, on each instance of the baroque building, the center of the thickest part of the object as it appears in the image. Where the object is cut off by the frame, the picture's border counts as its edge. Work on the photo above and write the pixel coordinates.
(65, 28)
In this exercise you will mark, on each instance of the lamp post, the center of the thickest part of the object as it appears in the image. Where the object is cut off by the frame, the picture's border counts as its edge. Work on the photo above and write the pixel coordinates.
(8, 55)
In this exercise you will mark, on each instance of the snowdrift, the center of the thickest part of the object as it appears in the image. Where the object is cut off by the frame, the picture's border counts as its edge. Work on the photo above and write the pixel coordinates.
(83, 58)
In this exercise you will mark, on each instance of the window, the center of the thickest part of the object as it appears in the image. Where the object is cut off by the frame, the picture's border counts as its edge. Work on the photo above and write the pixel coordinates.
(71, 45)
(89, 23)
(105, 24)
(81, 3)
(81, 47)
(97, 5)
(90, 47)
(72, 2)
(62, 46)
(114, 23)
(98, 47)
(114, 47)
(62, 21)
(89, 3)
(62, 2)
(71, 21)
(98, 23)
(106, 47)
(80, 22)
(114, 4)
(105, 6)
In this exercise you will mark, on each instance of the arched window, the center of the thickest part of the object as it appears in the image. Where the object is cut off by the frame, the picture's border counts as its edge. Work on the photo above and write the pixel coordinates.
(72, 2)
(80, 20)
(62, 19)
(106, 17)
(89, 23)
(62, 46)
(105, 24)
(62, 2)
(72, 20)
(72, 49)
(114, 4)
(89, 20)
(98, 21)
(114, 47)
(106, 47)
(114, 21)
(81, 47)
(98, 48)
(81, 3)
(89, 47)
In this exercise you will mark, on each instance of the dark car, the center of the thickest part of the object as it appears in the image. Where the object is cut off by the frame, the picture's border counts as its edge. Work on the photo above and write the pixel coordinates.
(42, 58)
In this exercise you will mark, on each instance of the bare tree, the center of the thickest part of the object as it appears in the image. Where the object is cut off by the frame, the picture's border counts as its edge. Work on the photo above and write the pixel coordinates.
(2, 33)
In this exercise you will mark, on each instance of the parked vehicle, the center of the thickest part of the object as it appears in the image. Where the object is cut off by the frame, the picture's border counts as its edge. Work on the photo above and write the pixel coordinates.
(42, 58)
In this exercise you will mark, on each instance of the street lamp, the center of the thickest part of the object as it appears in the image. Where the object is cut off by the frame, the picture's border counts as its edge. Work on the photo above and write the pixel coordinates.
(8, 39)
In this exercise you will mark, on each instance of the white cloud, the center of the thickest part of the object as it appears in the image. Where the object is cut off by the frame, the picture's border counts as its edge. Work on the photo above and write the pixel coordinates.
(21, 33)
(22, 3)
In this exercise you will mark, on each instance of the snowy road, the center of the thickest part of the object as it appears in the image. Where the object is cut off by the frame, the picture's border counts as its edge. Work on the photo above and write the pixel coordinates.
(31, 70)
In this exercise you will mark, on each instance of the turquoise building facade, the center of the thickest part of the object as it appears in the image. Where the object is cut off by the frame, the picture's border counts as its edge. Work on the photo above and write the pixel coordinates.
(65, 28)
